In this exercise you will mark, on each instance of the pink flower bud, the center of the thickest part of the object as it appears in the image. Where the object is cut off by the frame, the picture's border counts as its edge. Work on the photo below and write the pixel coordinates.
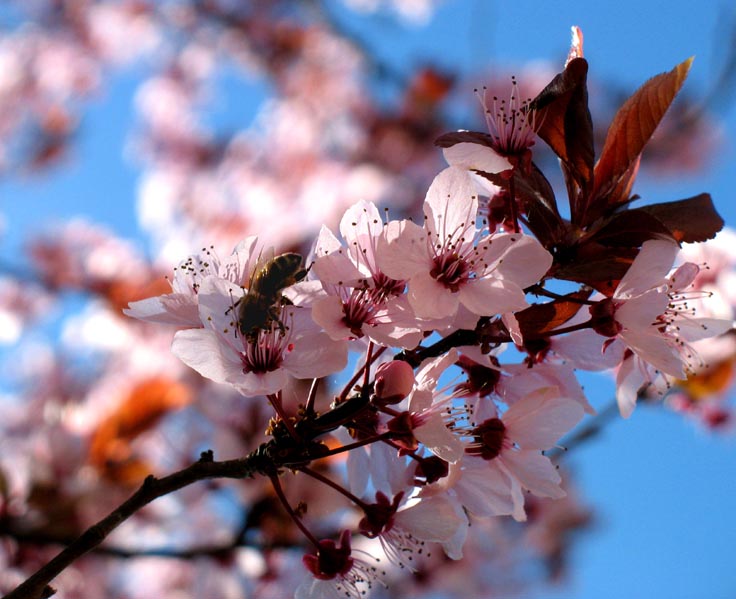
(394, 381)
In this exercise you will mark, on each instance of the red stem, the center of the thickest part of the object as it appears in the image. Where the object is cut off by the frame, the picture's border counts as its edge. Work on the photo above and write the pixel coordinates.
(331, 483)
(285, 502)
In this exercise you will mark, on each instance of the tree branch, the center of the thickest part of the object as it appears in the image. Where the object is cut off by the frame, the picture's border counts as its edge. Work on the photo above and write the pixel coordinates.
(37, 586)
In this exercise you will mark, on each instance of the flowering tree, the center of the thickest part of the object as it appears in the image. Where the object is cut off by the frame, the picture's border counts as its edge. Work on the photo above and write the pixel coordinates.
(376, 402)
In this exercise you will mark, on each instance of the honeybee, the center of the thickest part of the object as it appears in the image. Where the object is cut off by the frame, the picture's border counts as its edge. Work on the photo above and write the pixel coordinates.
(262, 303)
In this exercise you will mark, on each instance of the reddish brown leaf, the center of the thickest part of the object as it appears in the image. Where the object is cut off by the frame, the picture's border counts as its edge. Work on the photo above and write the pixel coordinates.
(447, 140)
(621, 192)
(630, 228)
(632, 127)
(576, 44)
(538, 319)
(538, 202)
(565, 122)
(598, 266)
(690, 220)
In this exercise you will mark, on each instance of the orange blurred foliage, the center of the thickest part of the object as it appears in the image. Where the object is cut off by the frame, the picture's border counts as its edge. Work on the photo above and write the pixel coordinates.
(110, 450)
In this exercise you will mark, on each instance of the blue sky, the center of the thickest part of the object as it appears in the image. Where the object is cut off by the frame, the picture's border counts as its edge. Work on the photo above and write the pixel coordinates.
(662, 488)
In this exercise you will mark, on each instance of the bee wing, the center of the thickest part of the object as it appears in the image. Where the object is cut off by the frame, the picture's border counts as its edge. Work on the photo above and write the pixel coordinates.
(265, 256)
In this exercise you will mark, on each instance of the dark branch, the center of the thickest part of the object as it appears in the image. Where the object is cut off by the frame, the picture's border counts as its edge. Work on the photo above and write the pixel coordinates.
(37, 586)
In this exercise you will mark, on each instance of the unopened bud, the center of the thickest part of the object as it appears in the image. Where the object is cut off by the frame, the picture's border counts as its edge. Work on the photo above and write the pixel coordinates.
(394, 381)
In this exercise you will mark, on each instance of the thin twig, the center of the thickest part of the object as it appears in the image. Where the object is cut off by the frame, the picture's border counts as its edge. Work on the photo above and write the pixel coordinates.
(37, 586)
(592, 427)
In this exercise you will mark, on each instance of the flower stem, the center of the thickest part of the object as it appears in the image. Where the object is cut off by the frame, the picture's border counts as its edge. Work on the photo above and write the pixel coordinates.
(349, 385)
(309, 408)
(382, 437)
(275, 400)
(514, 209)
(331, 483)
(538, 289)
(573, 327)
(287, 506)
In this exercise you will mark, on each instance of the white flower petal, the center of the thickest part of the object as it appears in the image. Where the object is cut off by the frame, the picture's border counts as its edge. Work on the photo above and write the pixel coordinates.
(431, 299)
(538, 420)
(315, 355)
(253, 384)
(431, 519)
(360, 223)
(438, 439)
(696, 329)
(655, 349)
(174, 308)
(586, 350)
(525, 262)
(327, 312)
(649, 269)
(202, 350)
(431, 369)
(404, 252)
(331, 264)
(535, 472)
(472, 156)
(486, 297)
(483, 489)
(451, 204)
(629, 380)
(643, 310)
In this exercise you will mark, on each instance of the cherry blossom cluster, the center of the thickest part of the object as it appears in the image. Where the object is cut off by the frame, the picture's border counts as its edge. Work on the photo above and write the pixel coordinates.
(390, 285)
(441, 428)
(414, 376)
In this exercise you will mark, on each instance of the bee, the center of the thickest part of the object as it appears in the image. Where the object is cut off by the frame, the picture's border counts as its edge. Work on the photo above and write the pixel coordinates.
(261, 305)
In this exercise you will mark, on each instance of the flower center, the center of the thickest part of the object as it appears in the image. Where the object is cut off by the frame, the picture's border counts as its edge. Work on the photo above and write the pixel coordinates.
(430, 470)
(386, 287)
(379, 516)
(603, 316)
(451, 270)
(489, 439)
(266, 352)
(331, 559)
(511, 124)
(357, 310)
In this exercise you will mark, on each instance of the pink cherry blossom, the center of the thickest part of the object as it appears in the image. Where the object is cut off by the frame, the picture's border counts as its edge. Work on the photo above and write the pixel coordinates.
(180, 307)
(429, 407)
(404, 530)
(502, 454)
(511, 382)
(361, 299)
(336, 572)
(649, 313)
(511, 132)
(295, 346)
(450, 261)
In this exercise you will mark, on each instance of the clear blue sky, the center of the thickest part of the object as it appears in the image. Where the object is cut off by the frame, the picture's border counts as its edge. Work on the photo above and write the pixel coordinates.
(663, 490)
